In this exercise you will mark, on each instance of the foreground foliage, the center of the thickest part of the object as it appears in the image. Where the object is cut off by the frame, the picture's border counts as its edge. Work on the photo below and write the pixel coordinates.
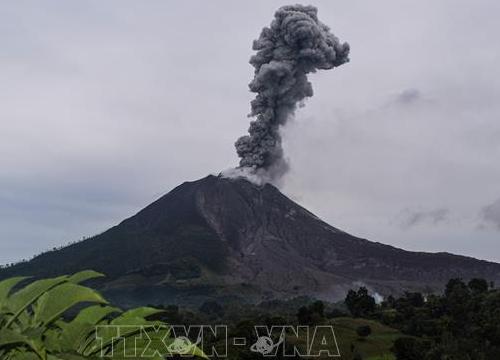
(35, 325)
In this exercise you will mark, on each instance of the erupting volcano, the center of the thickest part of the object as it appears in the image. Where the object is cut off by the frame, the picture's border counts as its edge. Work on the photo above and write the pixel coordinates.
(226, 237)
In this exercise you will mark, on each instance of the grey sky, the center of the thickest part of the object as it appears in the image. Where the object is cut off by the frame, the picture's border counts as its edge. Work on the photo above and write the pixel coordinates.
(106, 105)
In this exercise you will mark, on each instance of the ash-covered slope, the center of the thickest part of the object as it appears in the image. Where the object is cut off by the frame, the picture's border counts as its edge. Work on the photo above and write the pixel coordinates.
(227, 238)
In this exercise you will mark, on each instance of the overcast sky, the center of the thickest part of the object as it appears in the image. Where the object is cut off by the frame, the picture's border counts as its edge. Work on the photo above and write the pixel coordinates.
(106, 105)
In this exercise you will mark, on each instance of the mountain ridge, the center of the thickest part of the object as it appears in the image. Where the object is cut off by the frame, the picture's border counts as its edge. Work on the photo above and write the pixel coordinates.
(225, 238)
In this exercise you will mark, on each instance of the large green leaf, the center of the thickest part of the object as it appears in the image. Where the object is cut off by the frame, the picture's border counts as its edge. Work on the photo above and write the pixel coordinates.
(130, 322)
(51, 339)
(22, 354)
(84, 275)
(59, 299)
(93, 314)
(139, 314)
(74, 333)
(8, 338)
(106, 337)
(131, 342)
(7, 285)
(23, 298)
(69, 356)
(24, 320)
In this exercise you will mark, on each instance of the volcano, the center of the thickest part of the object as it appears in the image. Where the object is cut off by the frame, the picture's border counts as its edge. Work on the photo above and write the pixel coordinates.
(229, 239)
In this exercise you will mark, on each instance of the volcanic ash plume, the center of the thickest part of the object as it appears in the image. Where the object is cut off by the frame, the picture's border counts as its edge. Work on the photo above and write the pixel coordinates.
(294, 45)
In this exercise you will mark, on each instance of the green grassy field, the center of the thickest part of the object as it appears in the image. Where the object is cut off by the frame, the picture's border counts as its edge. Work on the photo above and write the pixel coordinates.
(374, 347)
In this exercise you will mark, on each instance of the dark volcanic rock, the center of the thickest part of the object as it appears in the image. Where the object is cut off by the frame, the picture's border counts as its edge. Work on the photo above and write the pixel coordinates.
(231, 239)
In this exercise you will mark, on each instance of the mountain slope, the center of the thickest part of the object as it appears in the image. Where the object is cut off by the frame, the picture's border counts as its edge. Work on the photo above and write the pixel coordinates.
(227, 238)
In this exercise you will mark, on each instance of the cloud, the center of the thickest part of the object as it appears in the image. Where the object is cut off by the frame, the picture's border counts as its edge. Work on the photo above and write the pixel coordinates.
(490, 214)
(408, 96)
(410, 218)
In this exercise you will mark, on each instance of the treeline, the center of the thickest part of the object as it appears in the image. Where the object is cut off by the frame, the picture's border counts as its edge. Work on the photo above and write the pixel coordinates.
(55, 248)
(463, 323)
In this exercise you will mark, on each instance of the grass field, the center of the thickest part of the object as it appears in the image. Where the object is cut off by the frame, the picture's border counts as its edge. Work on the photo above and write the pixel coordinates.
(375, 347)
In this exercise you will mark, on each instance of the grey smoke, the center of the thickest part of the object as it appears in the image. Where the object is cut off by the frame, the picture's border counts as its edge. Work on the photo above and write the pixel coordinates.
(294, 45)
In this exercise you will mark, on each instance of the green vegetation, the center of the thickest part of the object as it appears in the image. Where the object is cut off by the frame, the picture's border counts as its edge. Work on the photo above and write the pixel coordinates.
(57, 318)
(39, 321)
(463, 323)
(359, 303)
(242, 319)
(377, 346)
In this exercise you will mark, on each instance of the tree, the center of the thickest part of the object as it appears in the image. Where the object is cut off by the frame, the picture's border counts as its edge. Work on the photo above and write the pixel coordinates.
(407, 348)
(359, 303)
(415, 298)
(455, 286)
(478, 286)
(389, 302)
(312, 314)
(304, 316)
(318, 307)
(460, 324)
(458, 306)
